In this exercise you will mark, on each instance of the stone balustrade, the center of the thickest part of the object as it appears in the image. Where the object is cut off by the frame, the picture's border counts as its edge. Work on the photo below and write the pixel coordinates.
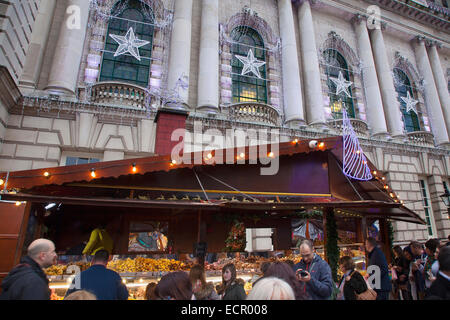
(359, 126)
(255, 113)
(118, 94)
(422, 138)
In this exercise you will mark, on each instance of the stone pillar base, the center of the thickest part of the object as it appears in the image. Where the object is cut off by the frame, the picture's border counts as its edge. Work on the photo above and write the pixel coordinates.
(208, 109)
(295, 123)
(382, 136)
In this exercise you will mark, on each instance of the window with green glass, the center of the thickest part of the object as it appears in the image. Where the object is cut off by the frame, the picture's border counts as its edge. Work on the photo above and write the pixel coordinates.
(126, 68)
(429, 217)
(248, 87)
(335, 63)
(403, 86)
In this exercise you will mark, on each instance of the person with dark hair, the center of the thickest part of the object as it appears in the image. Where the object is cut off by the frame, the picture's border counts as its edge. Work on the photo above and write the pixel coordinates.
(314, 273)
(27, 281)
(231, 288)
(104, 283)
(285, 272)
(397, 269)
(430, 248)
(377, 258)
(416, 278)
(99, 240)
(202, 290)
(352, 282)
(150, 291)
(440, 289)
(174, 286)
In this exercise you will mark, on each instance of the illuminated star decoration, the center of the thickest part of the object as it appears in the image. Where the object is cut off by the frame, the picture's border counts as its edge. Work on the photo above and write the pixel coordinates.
(342, 85)
(410, 103)
(129, 43)
(251, 64)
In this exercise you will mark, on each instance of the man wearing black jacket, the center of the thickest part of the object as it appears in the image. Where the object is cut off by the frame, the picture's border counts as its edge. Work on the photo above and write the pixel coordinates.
(377, 258)
(27, 281)
(440, 289)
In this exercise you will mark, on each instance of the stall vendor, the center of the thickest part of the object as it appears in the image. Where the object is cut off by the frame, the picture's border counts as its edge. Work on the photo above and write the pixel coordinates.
(99, 240)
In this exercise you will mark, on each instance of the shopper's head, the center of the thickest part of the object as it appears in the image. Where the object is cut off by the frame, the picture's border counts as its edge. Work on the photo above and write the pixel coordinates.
(197, 277)
(444, 259)
(271, 288)
(416, 248)
(228, 274)
(431, 246)
(285, 272)
(346, 264)
(264, 267)
(150, 291)
(101, 257)
(43, 252)
(174, 286)
(371, 243)
(398, 251)
(407, 253)
(81, 295)
(307, 250)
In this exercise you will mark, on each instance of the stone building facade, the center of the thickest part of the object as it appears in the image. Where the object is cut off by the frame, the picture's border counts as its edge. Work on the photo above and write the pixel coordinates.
(65, 99)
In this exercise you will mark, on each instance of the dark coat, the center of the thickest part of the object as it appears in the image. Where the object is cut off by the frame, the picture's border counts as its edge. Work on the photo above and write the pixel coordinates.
(27, 281)
(440, 289)
(235, 291)
(105, 284)
(356, 285)
(376, 257)
(321, 285)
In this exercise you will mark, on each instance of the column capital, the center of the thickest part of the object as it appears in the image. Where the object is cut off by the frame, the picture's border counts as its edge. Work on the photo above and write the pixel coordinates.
(358, 18)
(433, 43)
(418, 39)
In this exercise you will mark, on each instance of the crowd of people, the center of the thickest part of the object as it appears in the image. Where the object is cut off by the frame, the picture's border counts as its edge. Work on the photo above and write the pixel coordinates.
(416, 273)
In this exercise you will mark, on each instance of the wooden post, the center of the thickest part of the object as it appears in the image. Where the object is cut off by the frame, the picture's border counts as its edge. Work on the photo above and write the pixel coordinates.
(384, 232)
(364, 236)
(200, 237)
(325, 234)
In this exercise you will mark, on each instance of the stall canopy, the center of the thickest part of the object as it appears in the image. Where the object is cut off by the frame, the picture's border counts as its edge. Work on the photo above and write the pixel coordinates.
(306, 178)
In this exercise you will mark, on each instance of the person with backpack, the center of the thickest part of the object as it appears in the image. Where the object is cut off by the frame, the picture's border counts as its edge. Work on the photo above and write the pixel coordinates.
(352, 283)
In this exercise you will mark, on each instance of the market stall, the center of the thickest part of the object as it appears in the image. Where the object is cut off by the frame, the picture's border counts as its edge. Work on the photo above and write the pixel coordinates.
(155, 207)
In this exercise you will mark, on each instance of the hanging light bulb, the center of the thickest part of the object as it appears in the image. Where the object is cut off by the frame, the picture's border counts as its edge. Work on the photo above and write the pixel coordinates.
(134, 169)
(46, 174)
(93, 175)
(1, 182)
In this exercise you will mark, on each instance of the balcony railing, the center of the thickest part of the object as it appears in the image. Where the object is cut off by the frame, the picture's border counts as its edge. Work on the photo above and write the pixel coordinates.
(254, 112)
(119, 94)
(360, 127)
(423, 138)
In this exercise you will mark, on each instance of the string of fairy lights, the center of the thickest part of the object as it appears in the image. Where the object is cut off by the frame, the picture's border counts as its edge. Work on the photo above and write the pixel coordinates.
(173, 164)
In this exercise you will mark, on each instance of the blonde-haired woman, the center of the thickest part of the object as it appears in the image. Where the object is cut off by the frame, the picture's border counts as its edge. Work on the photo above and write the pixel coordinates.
(271, 288)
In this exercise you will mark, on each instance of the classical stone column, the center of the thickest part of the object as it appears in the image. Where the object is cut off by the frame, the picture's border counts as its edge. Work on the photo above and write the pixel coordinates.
(208, 70)
(35, 54)
(431, 95)
(292, 90)
(386, 82)
(69, 49)
(441, 82)
(374, 104)
(315, 112)
(180, 46)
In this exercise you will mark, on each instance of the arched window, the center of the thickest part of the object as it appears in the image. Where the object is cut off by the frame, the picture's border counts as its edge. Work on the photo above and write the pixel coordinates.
(403, 87)
(335, 64)
(126, 67)
(248, 87)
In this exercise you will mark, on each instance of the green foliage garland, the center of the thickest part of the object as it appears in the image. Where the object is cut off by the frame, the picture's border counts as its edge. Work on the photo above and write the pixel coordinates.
(331, 248)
